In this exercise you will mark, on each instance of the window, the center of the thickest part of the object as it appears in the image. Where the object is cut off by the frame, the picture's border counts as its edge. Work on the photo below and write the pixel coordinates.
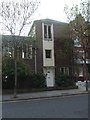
(23, 55)
(64, 70)
(67, 70)
(33, 32)
(47, 32)
(48, 53)
(7, 50)
(77, 43)
(27, 51)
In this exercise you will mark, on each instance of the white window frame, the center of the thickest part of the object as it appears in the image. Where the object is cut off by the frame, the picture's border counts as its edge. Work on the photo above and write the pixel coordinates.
(47, 32)
(26, 55)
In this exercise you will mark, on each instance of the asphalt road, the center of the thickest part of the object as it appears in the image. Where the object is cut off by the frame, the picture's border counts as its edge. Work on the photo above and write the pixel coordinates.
(61, 107)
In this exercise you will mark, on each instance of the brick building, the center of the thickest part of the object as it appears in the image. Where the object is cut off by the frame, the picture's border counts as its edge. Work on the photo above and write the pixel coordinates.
(80, 48)
(48, 49)
(51, 38)
(44, 49)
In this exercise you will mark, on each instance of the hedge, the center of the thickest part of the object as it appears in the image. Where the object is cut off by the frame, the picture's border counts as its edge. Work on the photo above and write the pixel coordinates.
(64, 80)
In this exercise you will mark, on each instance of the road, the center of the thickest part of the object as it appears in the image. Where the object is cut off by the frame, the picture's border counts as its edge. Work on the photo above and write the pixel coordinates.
(61, 107)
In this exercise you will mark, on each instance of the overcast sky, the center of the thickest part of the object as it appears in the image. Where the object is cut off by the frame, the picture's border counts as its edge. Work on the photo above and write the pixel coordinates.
(52, 9)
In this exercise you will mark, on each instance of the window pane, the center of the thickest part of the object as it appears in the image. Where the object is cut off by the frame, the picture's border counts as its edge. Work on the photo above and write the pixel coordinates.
(27, 51)
(62, 70)
(49, 31)
(67, 70)
(48, 53)
(23, 55)
(45, 31)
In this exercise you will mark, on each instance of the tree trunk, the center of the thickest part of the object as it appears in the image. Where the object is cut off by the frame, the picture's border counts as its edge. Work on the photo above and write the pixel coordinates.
(15, 85)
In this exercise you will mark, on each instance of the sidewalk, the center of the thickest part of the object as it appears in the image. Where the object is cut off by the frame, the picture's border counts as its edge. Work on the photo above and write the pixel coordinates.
(45, 94)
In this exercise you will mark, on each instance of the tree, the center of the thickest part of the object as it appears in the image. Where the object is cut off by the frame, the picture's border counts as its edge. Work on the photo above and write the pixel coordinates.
(83, 8)
(79, 18)
(15, 17)
(8, 72)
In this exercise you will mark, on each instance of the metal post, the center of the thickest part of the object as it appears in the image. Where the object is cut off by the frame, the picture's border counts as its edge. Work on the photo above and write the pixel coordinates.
(35, 62)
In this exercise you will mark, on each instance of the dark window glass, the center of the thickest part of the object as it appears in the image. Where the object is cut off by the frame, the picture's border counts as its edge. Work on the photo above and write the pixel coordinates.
(45, 31)
(49, 31)
(62, 70)
(48, 53)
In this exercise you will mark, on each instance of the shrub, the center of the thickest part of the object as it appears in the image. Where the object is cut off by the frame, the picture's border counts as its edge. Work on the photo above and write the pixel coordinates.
(8, 78)
(38, 80)
(7, 73)
(8, 82)
(24, 77)
(32, 81)
(63, 80)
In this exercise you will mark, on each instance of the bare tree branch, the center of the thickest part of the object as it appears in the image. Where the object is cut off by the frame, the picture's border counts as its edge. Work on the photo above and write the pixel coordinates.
(16, 15)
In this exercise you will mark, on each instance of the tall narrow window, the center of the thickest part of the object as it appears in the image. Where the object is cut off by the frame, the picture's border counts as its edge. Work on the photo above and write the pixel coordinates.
(23, 55)
(27, 51)
(47, 32)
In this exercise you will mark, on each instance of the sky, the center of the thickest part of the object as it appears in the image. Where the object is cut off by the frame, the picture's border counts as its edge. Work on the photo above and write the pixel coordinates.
(52, 9)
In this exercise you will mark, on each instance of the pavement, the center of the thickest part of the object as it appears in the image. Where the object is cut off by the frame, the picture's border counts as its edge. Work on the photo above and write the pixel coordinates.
(45, 94)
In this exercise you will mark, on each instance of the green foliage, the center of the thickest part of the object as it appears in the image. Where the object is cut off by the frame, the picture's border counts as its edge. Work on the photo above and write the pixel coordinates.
(25, 79)
(8, 72)
(79, 26)
(66, 48)
(7, 66)
(38, 80)
(63, 80)
(22, 69)
(32, 81)
(8, 82)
